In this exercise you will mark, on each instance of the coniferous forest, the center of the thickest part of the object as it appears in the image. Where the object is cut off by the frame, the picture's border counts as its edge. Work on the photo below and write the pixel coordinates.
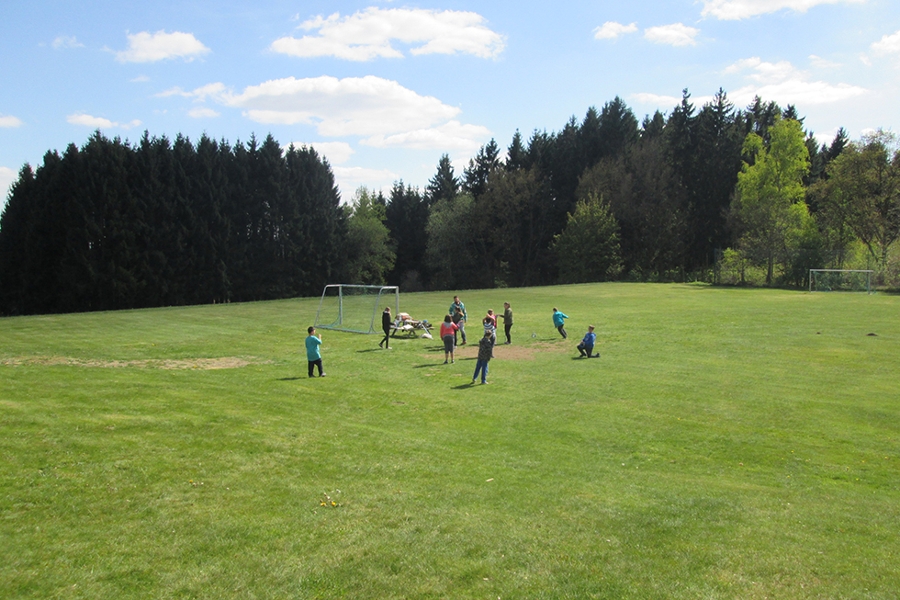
(714, 193)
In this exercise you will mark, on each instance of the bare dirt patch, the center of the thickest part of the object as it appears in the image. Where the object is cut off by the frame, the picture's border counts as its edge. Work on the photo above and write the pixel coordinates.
(508, 352)
(203, 364)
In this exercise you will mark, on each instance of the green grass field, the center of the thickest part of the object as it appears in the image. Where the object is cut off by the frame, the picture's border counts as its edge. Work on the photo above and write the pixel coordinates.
(729, 443)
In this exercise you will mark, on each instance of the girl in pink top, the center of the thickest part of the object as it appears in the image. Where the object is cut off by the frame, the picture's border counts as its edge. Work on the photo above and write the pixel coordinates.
(448, 329)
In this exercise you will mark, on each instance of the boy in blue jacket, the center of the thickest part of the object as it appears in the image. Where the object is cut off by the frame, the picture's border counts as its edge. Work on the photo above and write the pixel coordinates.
(586, 347)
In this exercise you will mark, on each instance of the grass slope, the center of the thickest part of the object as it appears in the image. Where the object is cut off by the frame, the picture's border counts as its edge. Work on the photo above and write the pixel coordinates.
(729, 443)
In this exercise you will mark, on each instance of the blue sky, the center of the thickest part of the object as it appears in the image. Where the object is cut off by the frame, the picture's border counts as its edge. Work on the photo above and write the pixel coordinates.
(383, 89)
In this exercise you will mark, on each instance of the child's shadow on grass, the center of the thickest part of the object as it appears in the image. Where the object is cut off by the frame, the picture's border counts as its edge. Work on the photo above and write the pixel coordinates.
(290, 378)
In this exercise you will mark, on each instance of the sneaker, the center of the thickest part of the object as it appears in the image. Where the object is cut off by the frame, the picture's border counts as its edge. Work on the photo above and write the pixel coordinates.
(485, 382)
(445, 362)
(322, 375)
(452, 361)
(473, 382)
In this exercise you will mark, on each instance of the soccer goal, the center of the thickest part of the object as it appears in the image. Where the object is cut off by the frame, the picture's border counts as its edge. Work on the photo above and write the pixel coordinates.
(852, 280)
(356, 308)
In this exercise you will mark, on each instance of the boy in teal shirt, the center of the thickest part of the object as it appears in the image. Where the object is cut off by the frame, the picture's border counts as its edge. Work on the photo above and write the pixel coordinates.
(313, 355)
(559, 322)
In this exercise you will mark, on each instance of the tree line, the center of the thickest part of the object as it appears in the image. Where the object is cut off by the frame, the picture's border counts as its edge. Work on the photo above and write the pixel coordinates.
(112, 225)
(715, 193)
(688, 195)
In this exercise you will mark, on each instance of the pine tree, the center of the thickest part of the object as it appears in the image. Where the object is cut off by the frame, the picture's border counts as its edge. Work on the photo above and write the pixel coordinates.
(444, 184)
(406, 217)
(477, 175)
(516, 156)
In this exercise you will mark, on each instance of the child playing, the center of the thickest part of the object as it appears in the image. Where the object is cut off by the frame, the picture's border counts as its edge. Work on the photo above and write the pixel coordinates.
(484, 356)
(586, 347)
(448, 334)
(559, 322)
(313, 355)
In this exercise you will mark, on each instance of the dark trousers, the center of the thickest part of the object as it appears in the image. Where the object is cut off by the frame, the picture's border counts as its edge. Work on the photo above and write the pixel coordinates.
(585, 350)
(482, 366)
(562, 331)
(506, 328)
(317, 363)
(385, 342)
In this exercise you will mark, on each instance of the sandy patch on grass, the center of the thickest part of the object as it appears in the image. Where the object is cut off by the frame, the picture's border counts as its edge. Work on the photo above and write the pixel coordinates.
(203, 364)
(510, 352)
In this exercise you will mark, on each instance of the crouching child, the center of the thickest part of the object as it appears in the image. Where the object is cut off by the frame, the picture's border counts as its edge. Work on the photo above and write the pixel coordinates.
(586, 347)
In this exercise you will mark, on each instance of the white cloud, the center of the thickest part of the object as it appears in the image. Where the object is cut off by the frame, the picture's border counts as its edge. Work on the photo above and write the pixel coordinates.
(799, 92)
(66, 41)
(215, 90)
(665, 102)
(140, 79)
(202, 112)
(823, 63)
(676, 34)
(612, 30)
(86, 120)
(731, 10)
(888, 44)
(764, 71)
(337, 107)
(656, 99)
(370, 34)
(153, 47)
(9, 121)
(451, 136)
(336, 152)
(785, 84)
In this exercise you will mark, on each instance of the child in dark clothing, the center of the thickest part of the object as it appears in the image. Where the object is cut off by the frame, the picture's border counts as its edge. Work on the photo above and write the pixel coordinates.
(485, 349)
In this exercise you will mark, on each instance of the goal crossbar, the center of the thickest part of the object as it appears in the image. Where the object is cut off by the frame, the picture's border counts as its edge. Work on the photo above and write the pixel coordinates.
(355, 308)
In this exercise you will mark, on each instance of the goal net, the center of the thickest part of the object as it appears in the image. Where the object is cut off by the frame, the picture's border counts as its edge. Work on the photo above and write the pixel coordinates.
(356, 308)
(851, 280)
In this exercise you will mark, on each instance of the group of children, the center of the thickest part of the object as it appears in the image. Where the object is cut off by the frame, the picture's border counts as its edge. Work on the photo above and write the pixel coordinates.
(453, 326)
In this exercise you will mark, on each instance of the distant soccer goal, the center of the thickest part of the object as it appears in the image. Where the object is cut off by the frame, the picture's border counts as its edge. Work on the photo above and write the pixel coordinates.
(356, 308)
(850, 280)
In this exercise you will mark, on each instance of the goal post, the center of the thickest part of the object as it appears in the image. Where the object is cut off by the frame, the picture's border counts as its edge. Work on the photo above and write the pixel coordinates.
(355, 308)
(852, 280)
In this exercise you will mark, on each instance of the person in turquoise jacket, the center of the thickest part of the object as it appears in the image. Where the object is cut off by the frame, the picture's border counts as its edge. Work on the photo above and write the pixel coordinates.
(313, 355)
(559, 322)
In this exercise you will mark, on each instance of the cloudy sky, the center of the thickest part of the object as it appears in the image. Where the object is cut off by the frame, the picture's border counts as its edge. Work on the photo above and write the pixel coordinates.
(383, 89)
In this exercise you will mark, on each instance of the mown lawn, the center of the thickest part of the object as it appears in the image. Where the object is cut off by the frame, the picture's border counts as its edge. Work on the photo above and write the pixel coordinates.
(729, 443)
